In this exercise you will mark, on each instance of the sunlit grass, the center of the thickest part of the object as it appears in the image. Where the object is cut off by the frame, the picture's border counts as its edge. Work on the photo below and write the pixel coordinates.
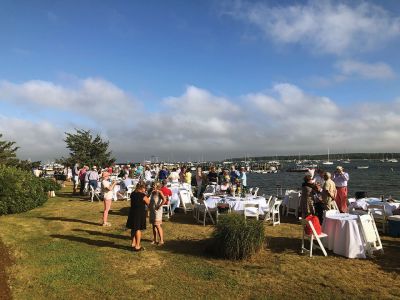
(61, 251)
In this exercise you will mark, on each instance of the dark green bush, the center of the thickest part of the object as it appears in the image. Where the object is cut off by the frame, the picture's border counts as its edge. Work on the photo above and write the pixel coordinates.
(237, 238)
(19, 190)
(49, 184)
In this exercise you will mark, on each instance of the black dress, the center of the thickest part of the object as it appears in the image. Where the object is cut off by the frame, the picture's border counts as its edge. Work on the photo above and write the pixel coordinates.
(137, 213)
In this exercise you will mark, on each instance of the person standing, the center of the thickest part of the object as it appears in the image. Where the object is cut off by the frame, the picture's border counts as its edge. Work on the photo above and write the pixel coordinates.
(307, 193)
(328, 191)
(157, 200)
(199, 181)
(82, 178)
(93, 177)
(243, 178)
(75, 177)
(137, 215)
(340, 178)
(108, 189)
(234, 175)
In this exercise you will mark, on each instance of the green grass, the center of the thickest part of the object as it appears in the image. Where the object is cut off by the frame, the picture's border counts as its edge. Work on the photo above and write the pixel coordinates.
(61, 252)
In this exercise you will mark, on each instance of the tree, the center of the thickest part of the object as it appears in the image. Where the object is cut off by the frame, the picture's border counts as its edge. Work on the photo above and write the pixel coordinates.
(87, 150)
(8, 155)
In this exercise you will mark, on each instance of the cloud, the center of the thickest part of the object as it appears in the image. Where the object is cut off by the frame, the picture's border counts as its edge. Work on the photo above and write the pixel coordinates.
(360, 69)
(322, 26)
(40, 140)
(93, 98)
(284, 119)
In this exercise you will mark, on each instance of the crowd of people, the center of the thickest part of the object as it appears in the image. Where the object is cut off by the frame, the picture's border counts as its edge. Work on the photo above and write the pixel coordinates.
(321, 189)
(152, 191)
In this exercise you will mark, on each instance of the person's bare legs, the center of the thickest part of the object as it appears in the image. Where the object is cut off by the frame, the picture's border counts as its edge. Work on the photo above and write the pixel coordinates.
(133, 241)
(138, 237)
(154, 235)
(107, 206)
(160, 234)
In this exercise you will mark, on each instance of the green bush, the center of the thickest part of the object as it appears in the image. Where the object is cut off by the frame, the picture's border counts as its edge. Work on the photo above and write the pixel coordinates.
(19, 190)
(49, 184)
(237, 238)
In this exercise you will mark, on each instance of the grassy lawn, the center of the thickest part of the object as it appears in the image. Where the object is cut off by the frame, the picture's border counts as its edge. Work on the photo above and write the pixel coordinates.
(60, 251)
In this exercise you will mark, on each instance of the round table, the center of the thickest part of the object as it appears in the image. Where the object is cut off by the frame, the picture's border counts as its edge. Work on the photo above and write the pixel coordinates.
(344, 236)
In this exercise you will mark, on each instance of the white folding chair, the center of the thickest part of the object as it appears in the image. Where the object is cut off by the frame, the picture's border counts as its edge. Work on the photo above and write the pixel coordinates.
(379, 214)
(293, 204)
(267, 208)
(94, 193)
(251, 191)
(370, 234)
(184, 196)
(204, 211)
(334, 205)
(276, 217)
(311, 238)
(166, 209)
(209, 191)
(251, 210)
(255, 191)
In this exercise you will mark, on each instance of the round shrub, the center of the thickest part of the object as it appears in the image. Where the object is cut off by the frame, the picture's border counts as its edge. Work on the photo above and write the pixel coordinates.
(19, 190)
(237, 238)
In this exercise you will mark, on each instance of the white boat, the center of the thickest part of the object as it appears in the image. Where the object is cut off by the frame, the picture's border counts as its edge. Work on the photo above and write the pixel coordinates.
(327, 162)
(362, 167)
(392, 160)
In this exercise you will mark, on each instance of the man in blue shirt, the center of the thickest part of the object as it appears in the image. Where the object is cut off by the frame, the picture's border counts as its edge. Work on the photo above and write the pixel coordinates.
(234, 175)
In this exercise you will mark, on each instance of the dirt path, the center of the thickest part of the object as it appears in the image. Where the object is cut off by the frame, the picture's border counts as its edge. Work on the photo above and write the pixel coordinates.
(5, 261)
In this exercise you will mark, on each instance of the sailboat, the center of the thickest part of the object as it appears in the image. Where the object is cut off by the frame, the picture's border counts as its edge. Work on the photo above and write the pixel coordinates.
(327, 162)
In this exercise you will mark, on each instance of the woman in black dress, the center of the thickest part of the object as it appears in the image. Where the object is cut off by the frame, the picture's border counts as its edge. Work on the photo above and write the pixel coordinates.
(137, 215)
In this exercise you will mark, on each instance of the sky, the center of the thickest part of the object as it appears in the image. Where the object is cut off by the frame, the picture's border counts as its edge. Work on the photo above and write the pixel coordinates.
(201, 80)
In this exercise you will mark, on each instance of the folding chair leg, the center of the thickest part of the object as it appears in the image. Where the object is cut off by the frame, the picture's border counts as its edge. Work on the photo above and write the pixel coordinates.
(311, 245)
(322, 247)
(302, 243)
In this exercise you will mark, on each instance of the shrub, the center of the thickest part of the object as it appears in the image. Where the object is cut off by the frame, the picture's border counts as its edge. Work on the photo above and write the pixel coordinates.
(19, 190)
(49, 184)
(237, 238)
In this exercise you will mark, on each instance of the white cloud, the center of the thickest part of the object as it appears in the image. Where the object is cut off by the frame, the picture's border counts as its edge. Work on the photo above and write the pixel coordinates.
(93, 98)
(284, 119)
(322, 26)
(355, 68)
(37, 140)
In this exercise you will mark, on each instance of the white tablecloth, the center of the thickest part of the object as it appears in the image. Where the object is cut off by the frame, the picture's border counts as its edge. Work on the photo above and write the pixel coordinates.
(237, 204)
(363, 203)
(344, 236)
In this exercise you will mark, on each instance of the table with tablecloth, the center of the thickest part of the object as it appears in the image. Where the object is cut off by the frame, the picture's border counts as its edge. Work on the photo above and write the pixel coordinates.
(344, 236)
(363, 204)
(236, 203)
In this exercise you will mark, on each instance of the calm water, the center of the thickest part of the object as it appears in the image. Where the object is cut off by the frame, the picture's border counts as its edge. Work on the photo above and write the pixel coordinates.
(379, 179)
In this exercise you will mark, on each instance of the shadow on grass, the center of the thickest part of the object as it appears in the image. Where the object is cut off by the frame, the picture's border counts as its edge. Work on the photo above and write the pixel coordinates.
(198, 248)
(182, 218)
(283, 244)
(124, 211)
(97, 243)
(69, 220)
(110, 235)
(389, 261)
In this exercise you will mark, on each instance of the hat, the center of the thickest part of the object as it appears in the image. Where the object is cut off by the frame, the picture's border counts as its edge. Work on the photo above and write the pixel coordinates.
(339, 168)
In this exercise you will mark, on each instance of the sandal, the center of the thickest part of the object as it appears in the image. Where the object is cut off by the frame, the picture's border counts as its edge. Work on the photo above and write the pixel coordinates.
(138, 250)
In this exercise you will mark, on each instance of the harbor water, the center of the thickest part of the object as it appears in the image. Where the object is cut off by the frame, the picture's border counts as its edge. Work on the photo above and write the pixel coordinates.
(381, 178)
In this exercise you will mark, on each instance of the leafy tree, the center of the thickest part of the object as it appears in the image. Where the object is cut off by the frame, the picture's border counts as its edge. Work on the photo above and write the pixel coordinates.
(8, 155)
(87, 150)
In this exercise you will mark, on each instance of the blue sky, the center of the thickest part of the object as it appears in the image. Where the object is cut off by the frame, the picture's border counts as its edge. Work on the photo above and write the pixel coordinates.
(201, 78)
